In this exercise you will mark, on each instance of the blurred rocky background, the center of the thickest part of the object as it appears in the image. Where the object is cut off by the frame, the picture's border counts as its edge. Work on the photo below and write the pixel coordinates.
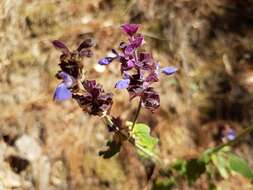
(54, 146)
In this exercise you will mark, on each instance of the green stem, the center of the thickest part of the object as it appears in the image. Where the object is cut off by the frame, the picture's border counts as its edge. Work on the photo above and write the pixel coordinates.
(136, 114)
(233, 142)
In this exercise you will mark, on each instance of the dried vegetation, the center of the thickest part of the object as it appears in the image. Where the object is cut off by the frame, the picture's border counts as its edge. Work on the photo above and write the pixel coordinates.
(45, 145)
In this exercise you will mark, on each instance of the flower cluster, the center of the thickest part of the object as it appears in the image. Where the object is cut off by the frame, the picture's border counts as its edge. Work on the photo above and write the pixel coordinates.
(89, 95)
(138, 68)
(95, 101)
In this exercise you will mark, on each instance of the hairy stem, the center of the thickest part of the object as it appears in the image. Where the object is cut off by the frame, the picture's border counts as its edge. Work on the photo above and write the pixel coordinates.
(136, 114)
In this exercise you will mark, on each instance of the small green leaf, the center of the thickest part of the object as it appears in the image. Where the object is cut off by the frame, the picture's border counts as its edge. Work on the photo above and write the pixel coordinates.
(220, 163)
(113, 148)
(143, 140)
(164, 184)
(240, 166)
(180, 166)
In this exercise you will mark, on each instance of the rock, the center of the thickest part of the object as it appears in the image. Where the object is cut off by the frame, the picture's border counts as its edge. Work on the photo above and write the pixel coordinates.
(58, 174)
(3, 148)
(28, 147)
(9, 179)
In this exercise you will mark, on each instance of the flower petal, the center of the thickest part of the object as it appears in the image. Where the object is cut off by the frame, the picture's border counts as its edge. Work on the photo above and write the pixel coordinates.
(95, 101)
(67, 79)
(150, 99)
(125, 75)
(61, 46)
(231, 135)
(85, 53)
(87, 43)
(137, 41)
(105, 61)
(169, 70)
(130, 29)
(129, 50)
(62, 93)
(122, 84)
(152, 77)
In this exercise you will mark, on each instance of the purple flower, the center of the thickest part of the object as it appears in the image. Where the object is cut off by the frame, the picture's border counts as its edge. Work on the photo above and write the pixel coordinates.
(126, 64)
(231, 134)
(122, 84)
(145, 57)
(71, 68)
(150, 99)
(62, 93)
(71, 61)
(105, 61)
(136, 41)
(61, 46)
(68, 80)
(129, 50)
(95, 101)
(88, 43)
(138, 69)
(169, 70)
(130, 29)
(85, 53)
(152, 77)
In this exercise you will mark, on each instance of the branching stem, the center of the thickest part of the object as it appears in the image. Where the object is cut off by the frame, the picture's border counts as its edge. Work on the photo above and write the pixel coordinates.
(245, 132)
(108, 121)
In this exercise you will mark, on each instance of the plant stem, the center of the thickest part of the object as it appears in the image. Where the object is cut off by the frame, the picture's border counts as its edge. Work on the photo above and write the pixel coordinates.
(136, 114)
(236, 140)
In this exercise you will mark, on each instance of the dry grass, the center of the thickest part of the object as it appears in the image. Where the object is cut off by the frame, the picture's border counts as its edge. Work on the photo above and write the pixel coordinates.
(209, 41)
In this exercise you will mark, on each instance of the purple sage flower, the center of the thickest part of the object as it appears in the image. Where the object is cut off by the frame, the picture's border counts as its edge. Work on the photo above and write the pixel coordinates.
(137, 40)
(130, 29)
(150, 99)
(71, 68)
(71, 61)
(95, 101)
(139, 70)
(68, 80)
(231, 134)
(105, 61)
(122, 84)
(169, 70)
(61, 46)
(62, 93)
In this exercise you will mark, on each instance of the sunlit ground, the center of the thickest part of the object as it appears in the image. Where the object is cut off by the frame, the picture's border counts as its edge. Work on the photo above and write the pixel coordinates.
(56, 145)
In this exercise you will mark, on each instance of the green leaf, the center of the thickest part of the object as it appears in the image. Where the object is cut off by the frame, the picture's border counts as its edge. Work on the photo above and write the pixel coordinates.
(145, 143)
(164, 184)
(113, 148)
(221, 164)
(180, 166)
(240, 166)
